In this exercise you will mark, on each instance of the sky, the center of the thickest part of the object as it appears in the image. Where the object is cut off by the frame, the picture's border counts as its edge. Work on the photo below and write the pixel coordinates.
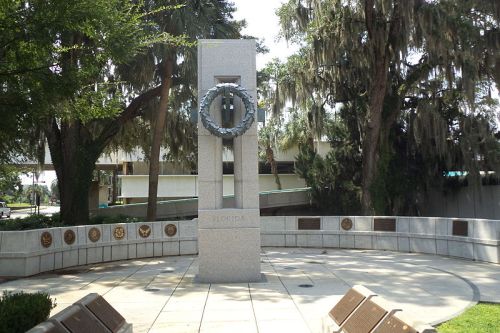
(263, 23)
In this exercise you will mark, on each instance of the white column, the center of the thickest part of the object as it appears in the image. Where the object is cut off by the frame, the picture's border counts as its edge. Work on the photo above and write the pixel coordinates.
(228, 239)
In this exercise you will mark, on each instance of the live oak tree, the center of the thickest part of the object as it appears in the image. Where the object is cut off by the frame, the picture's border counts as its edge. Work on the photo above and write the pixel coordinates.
(58, 77)
(389, 57)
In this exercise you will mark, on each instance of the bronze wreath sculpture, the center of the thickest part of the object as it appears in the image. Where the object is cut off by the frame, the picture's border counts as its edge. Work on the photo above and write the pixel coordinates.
(210, 124)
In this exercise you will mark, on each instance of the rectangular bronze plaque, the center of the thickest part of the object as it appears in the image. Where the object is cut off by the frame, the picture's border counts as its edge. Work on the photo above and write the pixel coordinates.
(80, 321)
(309, 223)
(346, 306)
(365, 318)
(381, 224)
(394, 325)
(106, 314)
(460, 228)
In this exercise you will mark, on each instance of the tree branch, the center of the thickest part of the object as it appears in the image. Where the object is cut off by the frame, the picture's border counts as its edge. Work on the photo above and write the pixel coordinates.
(53, 135)
(26, 70)
(133, 110)
(369, 16)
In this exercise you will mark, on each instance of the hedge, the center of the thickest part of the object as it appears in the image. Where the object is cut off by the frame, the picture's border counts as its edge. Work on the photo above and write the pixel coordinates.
(21, 311)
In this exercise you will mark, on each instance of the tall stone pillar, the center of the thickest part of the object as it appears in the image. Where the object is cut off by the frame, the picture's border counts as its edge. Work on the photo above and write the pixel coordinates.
(228, 239)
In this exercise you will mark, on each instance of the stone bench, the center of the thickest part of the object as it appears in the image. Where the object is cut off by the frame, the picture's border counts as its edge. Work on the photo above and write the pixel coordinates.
(89, 314)
(362, 311)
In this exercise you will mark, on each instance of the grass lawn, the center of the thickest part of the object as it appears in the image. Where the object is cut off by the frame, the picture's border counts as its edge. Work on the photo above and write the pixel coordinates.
(19, 205)
(481, 318)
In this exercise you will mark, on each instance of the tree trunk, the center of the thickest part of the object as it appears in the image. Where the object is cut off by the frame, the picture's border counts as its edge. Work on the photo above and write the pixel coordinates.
(114, 192)
(74, 161)
(372, 134)
(74, 154)
(381, 38)
(274, 166)
(158, 133)
(75, 194)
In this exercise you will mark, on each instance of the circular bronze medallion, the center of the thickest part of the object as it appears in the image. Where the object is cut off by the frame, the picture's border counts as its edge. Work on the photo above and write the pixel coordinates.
(94, 234)
(346, 223)
(144, 231)
(46, 239)
(119, 233)
(170, 230)
(69, 236)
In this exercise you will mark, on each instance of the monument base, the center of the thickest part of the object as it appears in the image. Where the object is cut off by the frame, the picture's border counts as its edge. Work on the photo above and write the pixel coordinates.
(229, 246)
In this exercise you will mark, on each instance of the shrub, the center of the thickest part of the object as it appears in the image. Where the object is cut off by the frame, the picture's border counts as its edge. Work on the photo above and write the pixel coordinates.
(56, 219)
(99, 219)
(19, 312)
(30, 222)
(96, 219)
(42, 221)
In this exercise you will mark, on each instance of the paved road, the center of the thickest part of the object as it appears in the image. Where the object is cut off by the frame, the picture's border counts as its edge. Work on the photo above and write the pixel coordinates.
(44, 210)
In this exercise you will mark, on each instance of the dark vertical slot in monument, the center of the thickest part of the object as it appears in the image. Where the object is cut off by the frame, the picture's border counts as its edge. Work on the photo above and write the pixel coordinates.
(228, 114)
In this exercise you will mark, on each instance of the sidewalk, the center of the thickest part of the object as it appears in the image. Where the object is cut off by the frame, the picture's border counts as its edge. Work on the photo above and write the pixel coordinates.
(301, 286)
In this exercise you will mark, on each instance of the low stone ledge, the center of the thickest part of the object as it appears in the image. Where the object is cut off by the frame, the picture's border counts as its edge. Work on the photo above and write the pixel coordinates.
(22, 253)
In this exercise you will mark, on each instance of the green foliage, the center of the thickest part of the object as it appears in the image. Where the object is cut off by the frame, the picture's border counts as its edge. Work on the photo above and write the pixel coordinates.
(335, 179)
(54, 190)
(20, 312)
(44, 221)
(413, 82)
(60, 82)
(19, 205)
(30, 222)
(99, 219)
(10, 183)
(483, 317)
(30, 191)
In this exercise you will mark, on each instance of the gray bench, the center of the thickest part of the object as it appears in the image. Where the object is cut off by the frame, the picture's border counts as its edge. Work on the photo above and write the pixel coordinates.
(362, 311)
(89, 314)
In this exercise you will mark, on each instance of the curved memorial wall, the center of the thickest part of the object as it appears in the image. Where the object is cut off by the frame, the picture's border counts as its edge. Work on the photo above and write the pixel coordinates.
(24, 253)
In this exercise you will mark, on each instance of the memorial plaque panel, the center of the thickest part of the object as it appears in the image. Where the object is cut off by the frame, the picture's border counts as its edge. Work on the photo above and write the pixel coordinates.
(119, 233)
(79, 321)
(309, 223)
(346, 224)
(346, 306)
(381, 224)
(144, 231)
(460, 228)
(394, 325)
(69, 237)
(365, 318)
(106, 314)
(170, 230)
(94, 234)
(46, 239)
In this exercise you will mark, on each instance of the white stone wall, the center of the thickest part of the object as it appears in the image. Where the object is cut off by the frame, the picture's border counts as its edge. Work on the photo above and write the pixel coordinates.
(182, 186)
(21, 252)
(432, 235)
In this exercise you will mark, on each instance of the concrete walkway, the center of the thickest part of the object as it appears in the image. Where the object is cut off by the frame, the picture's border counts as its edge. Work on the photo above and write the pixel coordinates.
(302, 285)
